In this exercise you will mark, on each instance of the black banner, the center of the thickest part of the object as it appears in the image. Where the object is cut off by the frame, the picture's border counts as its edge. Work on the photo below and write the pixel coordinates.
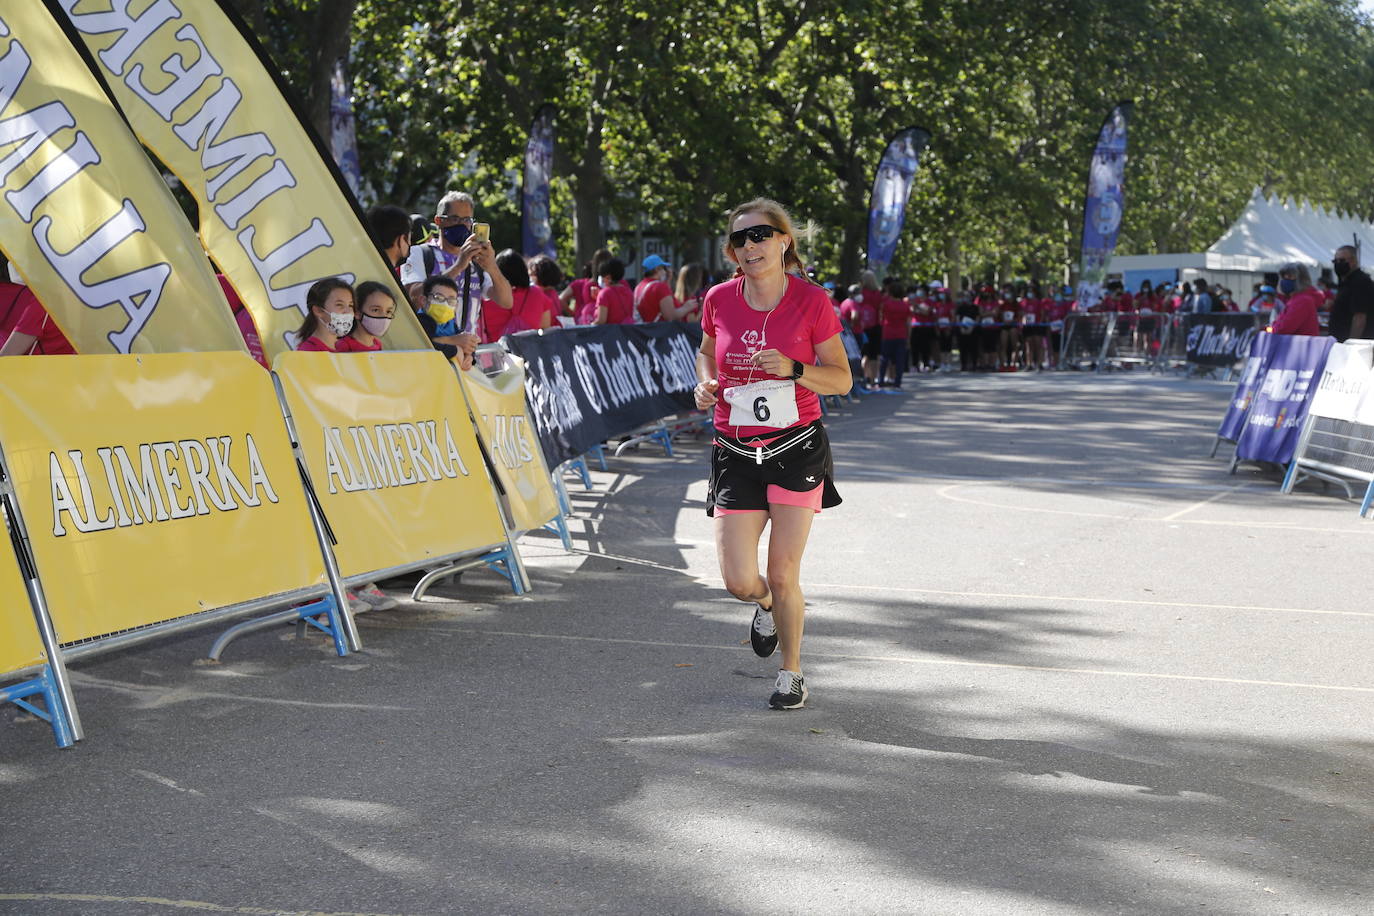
(588, 384)
(1219, 339)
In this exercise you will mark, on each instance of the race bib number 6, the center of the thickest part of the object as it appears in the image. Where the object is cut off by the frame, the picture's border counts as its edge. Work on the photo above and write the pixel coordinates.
(767, 403)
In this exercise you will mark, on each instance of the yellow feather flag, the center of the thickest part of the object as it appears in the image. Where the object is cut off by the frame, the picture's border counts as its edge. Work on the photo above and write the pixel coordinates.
(273, 213)
(85, 217)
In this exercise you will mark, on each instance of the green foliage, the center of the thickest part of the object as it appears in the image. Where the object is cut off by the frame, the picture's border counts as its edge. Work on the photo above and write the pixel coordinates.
(675, 113)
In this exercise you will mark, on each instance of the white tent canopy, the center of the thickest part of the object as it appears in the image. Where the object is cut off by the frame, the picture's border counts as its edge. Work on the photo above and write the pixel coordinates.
(1270, 232)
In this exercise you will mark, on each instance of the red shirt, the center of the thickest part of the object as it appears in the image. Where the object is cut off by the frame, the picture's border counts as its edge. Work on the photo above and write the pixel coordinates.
(896, 319)
(14, 298)
(1300, 315)
(803, 318)
(648, 296)
(555, 307)
(618, 302)
(36, 322)
(314, 344)
(528, 305)
(351, 344)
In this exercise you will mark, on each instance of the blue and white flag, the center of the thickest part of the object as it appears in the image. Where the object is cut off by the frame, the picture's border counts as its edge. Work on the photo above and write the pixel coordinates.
(891, 190)
(343, 140)
(536, 231)
(1104, 206)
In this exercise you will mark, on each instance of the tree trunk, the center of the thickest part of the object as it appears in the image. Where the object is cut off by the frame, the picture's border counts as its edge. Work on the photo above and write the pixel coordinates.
(954, 280)
(332, 37)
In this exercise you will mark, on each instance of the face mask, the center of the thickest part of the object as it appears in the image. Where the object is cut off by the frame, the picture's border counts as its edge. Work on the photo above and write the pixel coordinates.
(859, 298)
(456, 235)
(340, 323)
(375, 326)
(1342, 267)
(441, 312)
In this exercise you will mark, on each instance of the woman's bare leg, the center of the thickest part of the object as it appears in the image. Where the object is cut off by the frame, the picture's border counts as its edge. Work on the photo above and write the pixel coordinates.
(737, 548)
(786, 544)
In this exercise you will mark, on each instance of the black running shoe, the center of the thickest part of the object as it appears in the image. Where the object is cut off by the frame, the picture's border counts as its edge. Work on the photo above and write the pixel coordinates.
(763, 635)
(789, 691)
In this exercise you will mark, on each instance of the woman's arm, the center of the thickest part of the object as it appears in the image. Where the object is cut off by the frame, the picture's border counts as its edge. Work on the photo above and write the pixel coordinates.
(707, 384)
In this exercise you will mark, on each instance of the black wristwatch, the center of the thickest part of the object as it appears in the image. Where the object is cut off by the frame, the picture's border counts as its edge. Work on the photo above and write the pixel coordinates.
(797, 367)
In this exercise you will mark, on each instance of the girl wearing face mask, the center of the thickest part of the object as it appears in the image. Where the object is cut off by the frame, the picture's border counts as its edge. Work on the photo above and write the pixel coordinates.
(328, 315)
(376, 308)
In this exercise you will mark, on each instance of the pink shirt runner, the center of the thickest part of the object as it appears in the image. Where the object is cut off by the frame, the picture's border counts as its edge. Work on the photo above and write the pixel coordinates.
(802, 319)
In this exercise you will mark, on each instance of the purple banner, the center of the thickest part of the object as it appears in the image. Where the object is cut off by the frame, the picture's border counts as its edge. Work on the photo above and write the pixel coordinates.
(891, 190)
(536, 231)
(1103, 206)
(1274, 423)
(343, 141)
(1255, 365)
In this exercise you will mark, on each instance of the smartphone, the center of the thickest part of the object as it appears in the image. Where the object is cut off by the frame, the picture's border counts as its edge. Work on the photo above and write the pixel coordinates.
(482, 231)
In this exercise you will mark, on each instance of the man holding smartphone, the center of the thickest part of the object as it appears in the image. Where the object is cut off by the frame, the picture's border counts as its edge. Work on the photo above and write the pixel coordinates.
(463, 253)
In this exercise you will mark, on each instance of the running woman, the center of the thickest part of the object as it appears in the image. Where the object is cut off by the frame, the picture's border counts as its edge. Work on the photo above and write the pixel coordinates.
(770, 345)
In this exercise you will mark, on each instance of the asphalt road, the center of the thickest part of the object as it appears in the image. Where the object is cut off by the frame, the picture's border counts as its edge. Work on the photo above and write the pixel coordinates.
(1060, 662)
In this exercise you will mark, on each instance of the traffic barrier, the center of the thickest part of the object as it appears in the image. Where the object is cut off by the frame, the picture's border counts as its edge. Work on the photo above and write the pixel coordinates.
(24, 650)
(126, 495)
(1279, 407)
(1238, 408)
(589, 384)
(1337, 440)
(399, 474)
(1086, 340)
(495, 389)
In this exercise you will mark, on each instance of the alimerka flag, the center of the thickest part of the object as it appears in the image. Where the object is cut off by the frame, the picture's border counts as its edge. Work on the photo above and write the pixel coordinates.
(85, 217)
(274, 212)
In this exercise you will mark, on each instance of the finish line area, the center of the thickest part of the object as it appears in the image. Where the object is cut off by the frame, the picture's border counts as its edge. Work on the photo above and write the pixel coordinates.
(1060, 660)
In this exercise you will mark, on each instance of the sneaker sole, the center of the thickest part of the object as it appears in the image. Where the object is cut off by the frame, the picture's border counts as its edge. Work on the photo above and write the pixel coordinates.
(779, 704)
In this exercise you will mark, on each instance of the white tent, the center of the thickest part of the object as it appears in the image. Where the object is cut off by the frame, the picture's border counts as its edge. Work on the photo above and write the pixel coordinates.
(1269, 233)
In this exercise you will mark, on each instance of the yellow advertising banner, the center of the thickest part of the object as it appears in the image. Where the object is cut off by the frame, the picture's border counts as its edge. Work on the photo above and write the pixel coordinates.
(154, 486)
(392, 455)
(498, 403)
(85, 217)
(272, 214)
(20, 645)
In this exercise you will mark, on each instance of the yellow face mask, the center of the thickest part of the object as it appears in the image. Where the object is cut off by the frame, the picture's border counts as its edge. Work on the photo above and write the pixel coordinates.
(441, 310)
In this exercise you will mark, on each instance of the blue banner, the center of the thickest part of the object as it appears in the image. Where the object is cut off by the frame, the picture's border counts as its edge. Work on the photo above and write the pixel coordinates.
(1255, 366)
(1279, 407)
(1104, 206)
(891, 190)
(343, 140)
(536, 231)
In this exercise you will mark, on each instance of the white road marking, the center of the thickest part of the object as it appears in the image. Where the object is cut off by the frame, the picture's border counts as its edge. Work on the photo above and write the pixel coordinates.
(1204, 502)
(197, 905)
(164, 781)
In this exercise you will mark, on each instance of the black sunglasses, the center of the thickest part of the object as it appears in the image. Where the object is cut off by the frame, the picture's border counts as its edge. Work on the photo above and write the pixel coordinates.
(754, 234)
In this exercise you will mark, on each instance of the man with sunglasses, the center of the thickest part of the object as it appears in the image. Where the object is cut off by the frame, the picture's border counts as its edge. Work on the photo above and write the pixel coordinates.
(1354, 303)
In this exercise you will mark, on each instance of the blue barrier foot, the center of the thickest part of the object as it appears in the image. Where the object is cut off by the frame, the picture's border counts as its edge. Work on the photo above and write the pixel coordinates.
(44, 686)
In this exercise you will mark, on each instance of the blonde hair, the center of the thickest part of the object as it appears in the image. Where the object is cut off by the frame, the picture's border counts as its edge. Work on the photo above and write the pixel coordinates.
(689, 280)
(776, 214)
(869, 281)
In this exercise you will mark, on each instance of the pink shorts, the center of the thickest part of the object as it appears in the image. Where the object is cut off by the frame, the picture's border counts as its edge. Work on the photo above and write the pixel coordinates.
(782, 496)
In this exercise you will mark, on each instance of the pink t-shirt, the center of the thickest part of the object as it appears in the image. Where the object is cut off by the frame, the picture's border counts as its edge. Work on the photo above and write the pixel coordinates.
(896, 319)
(803, 318)
(1300, 314)
(619, 303)
(353, 345)
(35, 321)
(648, 295)
(555, 308)
(528, 305)
(314, 344)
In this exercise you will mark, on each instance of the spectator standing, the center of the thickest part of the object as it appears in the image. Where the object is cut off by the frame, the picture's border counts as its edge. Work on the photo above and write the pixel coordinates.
(547, 277)
(1354, 302)
(529, 309)
(1300, 314)
(579, 298)
(691, 282)
(391, 231)
(653, 298)
(614, 301)
(374, 307)
(1202, 297)
(896, 329)
(328, 315)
